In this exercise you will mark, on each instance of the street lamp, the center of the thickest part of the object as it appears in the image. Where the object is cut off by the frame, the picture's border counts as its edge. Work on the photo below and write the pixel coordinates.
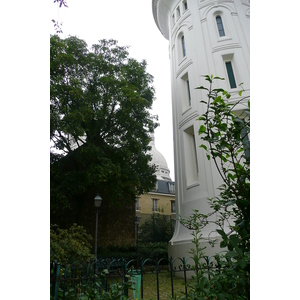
(97, 203)
(137, 222)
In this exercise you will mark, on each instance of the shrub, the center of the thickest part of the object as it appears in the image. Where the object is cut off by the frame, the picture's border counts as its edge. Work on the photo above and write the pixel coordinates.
(156, 250)
(69, 245)
(158, 228)
(127, 251)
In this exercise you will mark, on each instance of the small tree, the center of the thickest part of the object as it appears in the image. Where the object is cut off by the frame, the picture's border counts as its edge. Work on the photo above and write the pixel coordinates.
(69, 245)
(226, 135)
(154, 236)
(156, 229)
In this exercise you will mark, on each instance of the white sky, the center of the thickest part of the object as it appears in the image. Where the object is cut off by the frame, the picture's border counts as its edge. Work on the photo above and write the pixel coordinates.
(131, 23)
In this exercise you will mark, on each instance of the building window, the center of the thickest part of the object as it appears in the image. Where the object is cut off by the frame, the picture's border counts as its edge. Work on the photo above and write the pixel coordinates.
(173, 20)
(154, 205)
(183, 46)
(171, 187)
(190, 154)
(186, 97)
(188, 90)
(173, 208)
(230, 74)
(220, 26)
(137, 204)
(185, 4)
(178, 12)
(246, 142)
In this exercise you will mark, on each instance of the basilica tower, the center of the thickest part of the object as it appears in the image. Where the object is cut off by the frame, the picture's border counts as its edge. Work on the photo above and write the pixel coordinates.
(205, 37)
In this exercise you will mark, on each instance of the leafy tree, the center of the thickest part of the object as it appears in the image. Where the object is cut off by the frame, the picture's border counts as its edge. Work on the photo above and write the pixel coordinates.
(100, 124)
(226, 135)
(156, 229)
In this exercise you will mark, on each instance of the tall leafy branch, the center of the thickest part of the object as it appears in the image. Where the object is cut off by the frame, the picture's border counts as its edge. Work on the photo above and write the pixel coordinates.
(224, 132)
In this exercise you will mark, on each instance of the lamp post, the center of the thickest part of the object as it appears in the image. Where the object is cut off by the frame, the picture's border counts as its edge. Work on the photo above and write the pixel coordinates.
(137, 222)
(97, 203)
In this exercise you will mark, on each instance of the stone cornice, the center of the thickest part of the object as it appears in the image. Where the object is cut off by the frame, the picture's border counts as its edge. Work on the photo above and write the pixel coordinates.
(154, 11)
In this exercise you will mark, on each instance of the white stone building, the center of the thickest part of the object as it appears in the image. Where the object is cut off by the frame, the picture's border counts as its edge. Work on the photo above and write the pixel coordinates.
(205, 37)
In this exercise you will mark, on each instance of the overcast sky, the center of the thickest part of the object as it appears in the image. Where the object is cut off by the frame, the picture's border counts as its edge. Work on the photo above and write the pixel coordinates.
(131, 23)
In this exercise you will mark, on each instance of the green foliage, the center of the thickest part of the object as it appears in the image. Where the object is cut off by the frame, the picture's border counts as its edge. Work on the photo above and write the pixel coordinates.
(95, 291)
(151, 250)
(70, 245)
(158, 228)
(155, 250)
(112, 251)
(197, 252)
(225, 134)
(100, 124)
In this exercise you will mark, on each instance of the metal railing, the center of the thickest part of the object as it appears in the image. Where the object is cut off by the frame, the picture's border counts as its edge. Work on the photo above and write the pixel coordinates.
(64, 277)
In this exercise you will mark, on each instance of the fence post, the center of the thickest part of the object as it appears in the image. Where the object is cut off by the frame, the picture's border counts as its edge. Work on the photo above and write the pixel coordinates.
(171, 270)
(56, 278)
(184, 273)
(157, 283)
(125, 279)
(142, 279)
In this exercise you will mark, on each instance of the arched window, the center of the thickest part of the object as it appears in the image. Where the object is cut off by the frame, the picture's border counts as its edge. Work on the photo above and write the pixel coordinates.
(186, 93)
(183, 46)
(220, 26)
(185, 4)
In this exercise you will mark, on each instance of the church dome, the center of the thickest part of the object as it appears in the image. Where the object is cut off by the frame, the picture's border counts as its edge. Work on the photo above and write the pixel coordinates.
(162, 172)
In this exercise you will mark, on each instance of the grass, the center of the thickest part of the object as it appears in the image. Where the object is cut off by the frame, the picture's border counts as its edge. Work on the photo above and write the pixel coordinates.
(165, 292)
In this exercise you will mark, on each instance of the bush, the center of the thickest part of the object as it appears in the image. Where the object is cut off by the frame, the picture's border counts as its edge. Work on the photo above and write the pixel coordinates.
(156, 229)
(128, 251)
(69, 245)
(156, 250)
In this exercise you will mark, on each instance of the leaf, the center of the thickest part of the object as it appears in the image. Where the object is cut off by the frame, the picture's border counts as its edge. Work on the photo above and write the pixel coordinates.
(219, 90)
(203, 146)
(242, 263)
(224, 158)
(217, 100)
(201, 88)
(223, 244)
(222, 233)
(238, 250)
(220, 78)
(223, 126)
(208, 156)
(202, 129)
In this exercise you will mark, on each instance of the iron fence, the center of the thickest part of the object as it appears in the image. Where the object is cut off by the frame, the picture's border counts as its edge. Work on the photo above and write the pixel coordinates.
(68, 276)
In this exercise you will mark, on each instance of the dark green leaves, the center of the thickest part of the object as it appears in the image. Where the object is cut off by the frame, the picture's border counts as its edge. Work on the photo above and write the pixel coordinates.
(100, 102)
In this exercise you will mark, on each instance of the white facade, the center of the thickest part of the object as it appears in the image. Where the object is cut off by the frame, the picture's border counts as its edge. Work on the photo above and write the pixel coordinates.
(206, 37)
